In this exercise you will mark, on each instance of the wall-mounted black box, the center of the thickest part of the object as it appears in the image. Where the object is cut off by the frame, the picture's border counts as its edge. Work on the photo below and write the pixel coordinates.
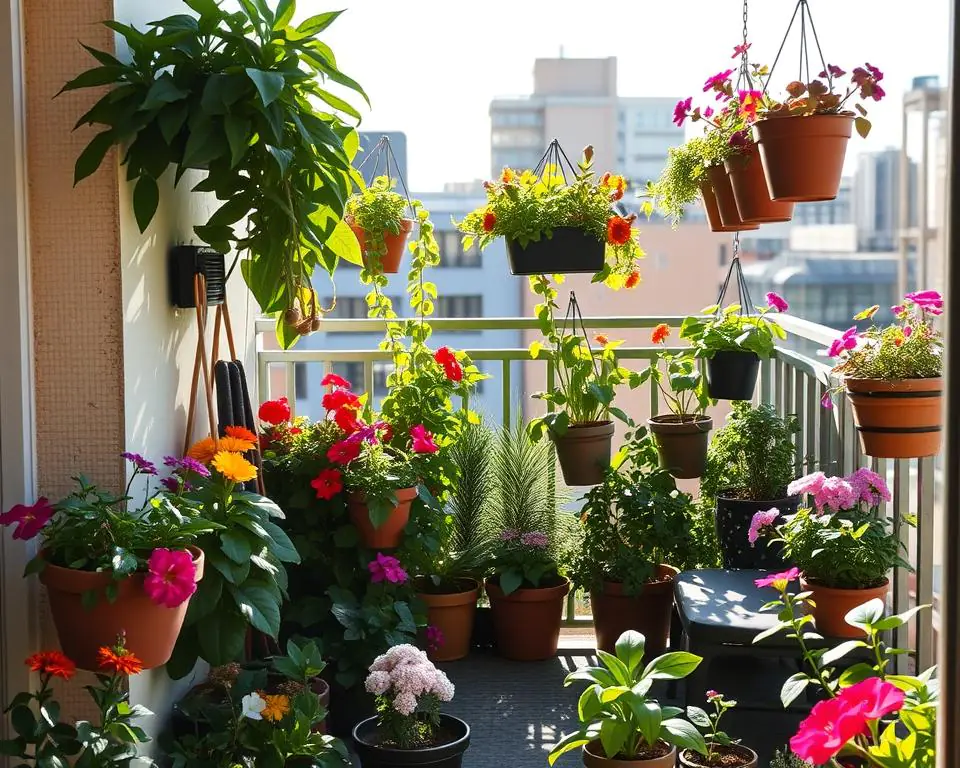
(187, 261)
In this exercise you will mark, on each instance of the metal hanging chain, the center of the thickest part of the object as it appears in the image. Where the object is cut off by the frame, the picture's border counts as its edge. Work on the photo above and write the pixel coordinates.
(556, 157)
(806, 18)
(575, 318)
(743, 291)
(743, 78)
(383, 153)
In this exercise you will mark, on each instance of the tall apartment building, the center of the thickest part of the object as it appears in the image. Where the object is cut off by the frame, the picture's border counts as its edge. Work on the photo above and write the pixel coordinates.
(877, 198)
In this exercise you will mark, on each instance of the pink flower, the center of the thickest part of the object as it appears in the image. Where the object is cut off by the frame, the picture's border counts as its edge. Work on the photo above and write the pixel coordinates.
(386, 568)
(332, 380)
(140, 464)
(835, 348)
(826, 401)
(535, 539)
(778, 580)
(711, 694)
(739, 139)
(739, 50)
(708, 112)
(928, 301)
(831, 724)
(898, 309)
(907, 331)
(435, 638)
(422, 440)
(749, 102)
(761, 520)
(378, 683)
(509, 534)
(29, 519)
(777, 302)
(869, 486)
(681, 111)
(836, 494)
(879, 698)
(811, 483)
(717, 82)
(834, 71)
(172, 577)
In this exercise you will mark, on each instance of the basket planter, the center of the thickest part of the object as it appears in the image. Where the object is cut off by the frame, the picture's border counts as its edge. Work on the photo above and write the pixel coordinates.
(750, 190)
(733, 518)
(726, 204)
(570, 250)
(453, 613)
(395, 244)
(593, 758)
(735, 756)
(712, 210)
(732, 375)
(390, 532)
(648, 612)
(151, 629)
(803, 156)
(584, 452)
(681, 443)
(897, 418)
(453, 735)
(527, 621)
(832, 604)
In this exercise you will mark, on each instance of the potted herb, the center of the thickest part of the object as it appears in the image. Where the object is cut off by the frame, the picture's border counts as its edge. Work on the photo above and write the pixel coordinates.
(733, 345)
(376, 216)
(721, 749)
(636, 530)
(842, 543)
(409, 728)
(682, 436)
(110, 566)
(555, 226)
(892, 377)
(642, 735)
(750, 464)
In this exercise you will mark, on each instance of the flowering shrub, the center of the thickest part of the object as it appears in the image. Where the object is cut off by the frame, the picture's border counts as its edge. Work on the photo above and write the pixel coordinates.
(843, 540)
(527, 207)
(409, 691)
(731, 331)
(523, 559)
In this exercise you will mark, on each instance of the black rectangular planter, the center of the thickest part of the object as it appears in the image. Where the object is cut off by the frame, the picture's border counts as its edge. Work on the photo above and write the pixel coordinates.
(187, 261)
(569, 251)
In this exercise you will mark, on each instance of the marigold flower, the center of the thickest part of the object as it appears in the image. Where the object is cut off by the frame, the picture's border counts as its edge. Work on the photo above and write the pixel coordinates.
(619, 230)
(29, 519)
(203, 450)
(489, 221)
(633, 279)
(328, 483)
(172, 577)
(234, 467)
(660, 333)
(241, 433)
(275, 411)
(52, 663)
(508, 175)
(277, 705)
(601, 340)
(119, 661)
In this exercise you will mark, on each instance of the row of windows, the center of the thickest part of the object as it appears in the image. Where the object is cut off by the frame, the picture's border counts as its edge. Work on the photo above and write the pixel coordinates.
(516, 118)
(355, 307)
(452, 253)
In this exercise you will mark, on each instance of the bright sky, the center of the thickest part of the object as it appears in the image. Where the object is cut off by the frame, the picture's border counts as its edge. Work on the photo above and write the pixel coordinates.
(431, 67)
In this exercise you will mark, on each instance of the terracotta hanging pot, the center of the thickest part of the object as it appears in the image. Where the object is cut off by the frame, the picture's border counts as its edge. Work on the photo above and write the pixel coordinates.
(593, 757)
(732, 375)
(731, 756)
(395, 244)
(527, 621)
(713, 211)
(681, 443)
(726, 203)
(833, 604)
(151, 629)
(897, 418)
(750, 189)
(388, 534)
(569, 251)
(803, 156)
(453, 614)
(648, 612)
(584, 452)
(453, 737)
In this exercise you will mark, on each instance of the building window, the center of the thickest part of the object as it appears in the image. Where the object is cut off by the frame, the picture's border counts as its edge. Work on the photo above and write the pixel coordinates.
(460, 306)
(352, 372)
(452, 253)
(300, 381)
(380, 373)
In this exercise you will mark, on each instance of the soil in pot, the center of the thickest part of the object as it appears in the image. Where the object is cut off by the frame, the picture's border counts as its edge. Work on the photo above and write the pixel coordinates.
(732, 375)
(732, 756)
(648, 612)
(713, 211)
(733, 518)
(803, 156)
(899, 418)
(661, 755)
(726, 203)
(151, 629)
(750, 190)
(527, 621)
(388, 534)
(682, 443)
(833, 604)
(584, 452)
(569, 251)
(452, 612)
(451, 740)
(395, 243)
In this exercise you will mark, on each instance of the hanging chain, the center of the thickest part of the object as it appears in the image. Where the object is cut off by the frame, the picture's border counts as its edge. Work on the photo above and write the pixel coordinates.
(743, 79)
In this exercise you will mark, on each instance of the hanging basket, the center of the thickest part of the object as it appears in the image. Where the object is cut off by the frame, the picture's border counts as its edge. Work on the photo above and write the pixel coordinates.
(726, 203)
(749, 185)
(732, 375)
(712, 210)
(584, 452)
(899, 418)
(568, 251)
(395, 244)
(682, 443)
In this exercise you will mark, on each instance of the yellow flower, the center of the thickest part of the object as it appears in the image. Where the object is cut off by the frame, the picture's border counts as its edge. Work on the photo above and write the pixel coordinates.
(203, 451)
(235, 444)
(234, 467)
(277, 706)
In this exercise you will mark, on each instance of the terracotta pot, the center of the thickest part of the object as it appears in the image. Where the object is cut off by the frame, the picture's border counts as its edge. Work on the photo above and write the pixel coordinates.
(151, 629)
(527, 621)
(593, 758)
(733, 518)
(681, 443)
(445, 755)
(648, 612)
(453, 614)
(732, 375)
(713, 211)
(803, 156)
(388, 534)
(897, 419)
(833, 604)
(395, 243)
(568, 251)
(726, 204)
(584, 452)
(750, 190)
(748, 758)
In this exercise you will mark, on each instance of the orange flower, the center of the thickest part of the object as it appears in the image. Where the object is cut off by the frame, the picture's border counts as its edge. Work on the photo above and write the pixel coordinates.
(601, 339)
(119, 661)
(241, 433)
(52, 663)
(236, 445)
(508, 175)
(203, 450)
(619, 230)
(633, 279)
(489, 221)
(234, 467)
(277, 706)
(660, 333)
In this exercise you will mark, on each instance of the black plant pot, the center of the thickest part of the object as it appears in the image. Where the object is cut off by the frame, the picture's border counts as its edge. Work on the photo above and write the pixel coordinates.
(570, 250)
(733, 524)
(446, 755)
(732, 375)
(483, 636)
(348, 707)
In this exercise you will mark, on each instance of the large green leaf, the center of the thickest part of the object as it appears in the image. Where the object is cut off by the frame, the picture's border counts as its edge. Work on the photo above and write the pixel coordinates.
(163, 91)
(222, 635)
(146, 197)
(672, 666)
(236, 545)
(269, 84)
(259, 606)
(280, 546)
(92, 155)
(629, 647)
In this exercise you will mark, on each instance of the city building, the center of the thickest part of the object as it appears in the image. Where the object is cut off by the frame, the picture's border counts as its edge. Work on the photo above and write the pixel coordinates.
(837, 211)
(877, 199)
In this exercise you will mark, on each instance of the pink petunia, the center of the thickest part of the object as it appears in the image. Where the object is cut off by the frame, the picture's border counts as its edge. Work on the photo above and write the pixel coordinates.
(829, 726)
(171, 578)
(386, 568)
(422, 440)
(879, 697)
(778, 580)
(826, 401)
(681, 111)
(777, 302)
(760, 521)
(28, 519)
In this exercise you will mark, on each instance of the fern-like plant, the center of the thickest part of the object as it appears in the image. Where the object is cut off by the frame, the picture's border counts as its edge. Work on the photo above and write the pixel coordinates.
(680, 180)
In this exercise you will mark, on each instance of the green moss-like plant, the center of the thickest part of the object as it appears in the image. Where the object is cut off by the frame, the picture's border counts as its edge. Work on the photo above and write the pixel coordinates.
(679, 182)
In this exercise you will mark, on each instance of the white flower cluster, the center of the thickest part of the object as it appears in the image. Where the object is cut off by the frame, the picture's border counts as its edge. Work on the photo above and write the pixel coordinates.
(405, 673)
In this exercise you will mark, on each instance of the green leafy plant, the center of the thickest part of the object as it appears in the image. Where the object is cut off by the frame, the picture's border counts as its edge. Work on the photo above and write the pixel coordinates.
(685, 393)
(378, 210)
(617, 717)
(719, 744)
(731, 331)
(680, 181)
(237, 95)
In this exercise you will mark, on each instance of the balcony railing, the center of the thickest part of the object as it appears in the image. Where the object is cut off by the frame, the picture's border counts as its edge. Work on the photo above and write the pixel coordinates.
(793, 382)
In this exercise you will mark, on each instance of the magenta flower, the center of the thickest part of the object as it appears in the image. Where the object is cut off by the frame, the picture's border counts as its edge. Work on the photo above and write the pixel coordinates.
(834, 71)
(739, 50)
(717, 82)
(187, 464)
(172, 483)
(811, 483)
(739, 139)
(435, 639)
(829, 726)
(422, 440)
(535, 539)
(777, 302)
(712, 694)
(899, 309)
(907, 331)
(172, 577)
(708, 112)
(28, 519)
(386, 568)
(826, 401)
(681, 111)
(928, 301)
(139, 463)
(760, 521)
(869, 486)
(879, 697)
(836, 494)
(778, 580)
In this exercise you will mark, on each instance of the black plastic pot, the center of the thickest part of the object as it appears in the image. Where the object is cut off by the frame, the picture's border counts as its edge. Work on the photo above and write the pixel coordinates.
(569, 251)
(733, 518)
(448, 755)
(732, 375)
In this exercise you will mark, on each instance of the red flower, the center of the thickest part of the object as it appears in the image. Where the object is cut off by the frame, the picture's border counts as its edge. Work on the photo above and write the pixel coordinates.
(346, 418)
(339, 398)
(660, 333)
(619, 230)
(343, 452)
(633, 279)
(879, 697)
(749, 101)
(119, 661)
(489, 221)
(328, 483)
(831, 724)
(332, 380)
(29, 519)
(601, 339)
(275, 411)
(451, 366)
(52, 663)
